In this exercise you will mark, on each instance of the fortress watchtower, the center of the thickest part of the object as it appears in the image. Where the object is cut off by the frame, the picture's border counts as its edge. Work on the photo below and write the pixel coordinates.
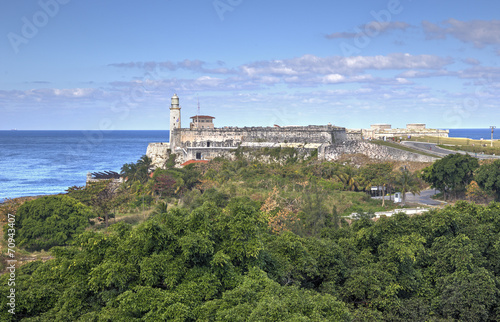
(175, 118)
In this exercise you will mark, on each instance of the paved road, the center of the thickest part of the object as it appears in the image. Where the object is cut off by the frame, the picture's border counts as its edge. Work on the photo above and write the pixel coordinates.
(424, 198)
(432, 148)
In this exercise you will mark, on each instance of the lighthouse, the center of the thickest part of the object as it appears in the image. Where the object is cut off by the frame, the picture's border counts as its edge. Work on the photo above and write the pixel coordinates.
(175, 118)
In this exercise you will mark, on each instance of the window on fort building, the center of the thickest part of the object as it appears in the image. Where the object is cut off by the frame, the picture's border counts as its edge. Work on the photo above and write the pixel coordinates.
(198, 155)
(208, 144)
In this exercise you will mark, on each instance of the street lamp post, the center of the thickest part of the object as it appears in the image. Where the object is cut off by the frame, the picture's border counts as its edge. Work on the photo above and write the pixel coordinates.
(492, 129)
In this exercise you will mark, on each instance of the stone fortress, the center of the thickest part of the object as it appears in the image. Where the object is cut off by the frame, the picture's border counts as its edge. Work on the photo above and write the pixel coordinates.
(379, 131)
(203, 141)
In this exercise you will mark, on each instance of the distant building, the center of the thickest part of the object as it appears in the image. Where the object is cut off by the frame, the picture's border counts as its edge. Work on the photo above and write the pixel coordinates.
(415, 126)
(380, 127)
(201, 122)
(381, 131)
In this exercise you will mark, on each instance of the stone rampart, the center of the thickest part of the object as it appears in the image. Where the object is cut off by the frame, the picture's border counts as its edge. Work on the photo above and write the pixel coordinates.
(354, 135)
(159, 153)
(374, 151)
(233, 136)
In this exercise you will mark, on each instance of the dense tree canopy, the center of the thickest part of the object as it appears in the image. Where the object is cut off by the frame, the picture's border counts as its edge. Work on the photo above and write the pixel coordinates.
(223, 263)
(247, 241)
(452, 173)
(488, 177)
(50, 221)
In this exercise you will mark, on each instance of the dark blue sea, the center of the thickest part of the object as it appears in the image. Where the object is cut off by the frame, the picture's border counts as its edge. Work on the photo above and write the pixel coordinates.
(48, 162)
(475, 134)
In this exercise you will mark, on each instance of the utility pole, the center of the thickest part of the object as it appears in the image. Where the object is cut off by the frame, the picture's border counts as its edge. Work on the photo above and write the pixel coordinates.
(492, 129)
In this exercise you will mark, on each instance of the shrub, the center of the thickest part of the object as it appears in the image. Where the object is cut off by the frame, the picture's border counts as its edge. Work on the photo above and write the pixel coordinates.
(50, 221)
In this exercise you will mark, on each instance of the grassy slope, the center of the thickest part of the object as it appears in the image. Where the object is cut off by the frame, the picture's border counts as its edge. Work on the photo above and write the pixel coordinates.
(402, 147)
(464, 144)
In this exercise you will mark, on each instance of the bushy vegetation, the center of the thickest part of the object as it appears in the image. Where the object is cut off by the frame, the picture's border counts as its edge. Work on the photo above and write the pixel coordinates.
(226, 264)
(460, 176)
(49, 221)
(247, 241)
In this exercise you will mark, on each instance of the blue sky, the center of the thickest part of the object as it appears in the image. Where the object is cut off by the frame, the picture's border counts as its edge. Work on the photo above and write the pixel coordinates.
(101, 65)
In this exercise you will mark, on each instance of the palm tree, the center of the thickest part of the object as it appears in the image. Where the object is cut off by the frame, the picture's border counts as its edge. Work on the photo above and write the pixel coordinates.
(348, 178)
(145, 161)
(138, 171)
(407, 182)
(128, 172)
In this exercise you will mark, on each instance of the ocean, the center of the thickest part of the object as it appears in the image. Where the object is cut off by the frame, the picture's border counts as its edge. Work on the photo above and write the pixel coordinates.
(475, 134)
(48, 162)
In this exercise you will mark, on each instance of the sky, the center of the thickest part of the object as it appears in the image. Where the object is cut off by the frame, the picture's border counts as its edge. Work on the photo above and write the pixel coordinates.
(114, 65)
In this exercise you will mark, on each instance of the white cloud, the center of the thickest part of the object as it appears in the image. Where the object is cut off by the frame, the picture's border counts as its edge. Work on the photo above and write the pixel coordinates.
(478, 32)
(314, 65)
(333, 78)
(187, 64)
(371, 29)
(471, 61)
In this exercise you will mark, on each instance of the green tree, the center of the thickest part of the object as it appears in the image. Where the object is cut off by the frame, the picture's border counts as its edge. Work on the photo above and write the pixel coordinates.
(488, 177)
(99, 195)
(348, 177)
(314, 214)
(451, 174)
(138, 171)
(164, 185)
(407, 181)
(50, 221)
(468, 296)
(257, 298)
(376, 173)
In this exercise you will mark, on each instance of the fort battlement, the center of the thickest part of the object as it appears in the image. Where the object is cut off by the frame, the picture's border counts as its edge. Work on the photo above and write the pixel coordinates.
(208, 143)
(203, 141)
(233, 136)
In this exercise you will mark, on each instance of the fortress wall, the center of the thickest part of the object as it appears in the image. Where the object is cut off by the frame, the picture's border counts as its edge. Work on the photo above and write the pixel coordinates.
(231, 137)
(403, 133)
(200, 137)
(248, 153)
(159, 153)
(208, 153)
(354, 135)
(374, 151)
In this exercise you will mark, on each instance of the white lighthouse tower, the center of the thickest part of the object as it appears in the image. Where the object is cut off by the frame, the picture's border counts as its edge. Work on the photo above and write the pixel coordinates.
(175, 118)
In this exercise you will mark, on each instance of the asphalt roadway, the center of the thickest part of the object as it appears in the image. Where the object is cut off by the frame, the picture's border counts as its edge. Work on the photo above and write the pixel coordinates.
(433, 149)
(424, 198)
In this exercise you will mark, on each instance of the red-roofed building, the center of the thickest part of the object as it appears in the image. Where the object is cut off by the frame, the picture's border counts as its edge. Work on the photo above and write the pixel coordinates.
(201, 122)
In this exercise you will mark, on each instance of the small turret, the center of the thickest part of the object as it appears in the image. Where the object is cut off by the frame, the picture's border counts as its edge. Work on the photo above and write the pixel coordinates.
(175, 102)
